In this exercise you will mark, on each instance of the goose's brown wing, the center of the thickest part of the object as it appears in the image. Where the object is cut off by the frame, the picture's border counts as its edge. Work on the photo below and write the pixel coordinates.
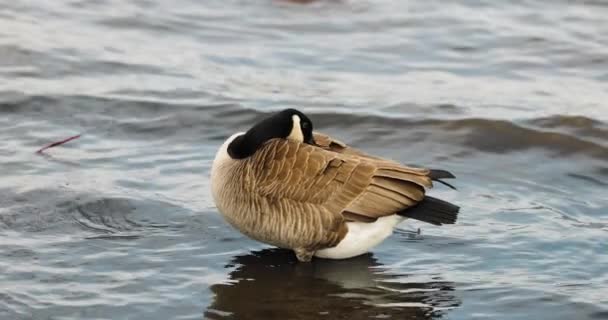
(328, 143)
(383, 185)
(351, 186)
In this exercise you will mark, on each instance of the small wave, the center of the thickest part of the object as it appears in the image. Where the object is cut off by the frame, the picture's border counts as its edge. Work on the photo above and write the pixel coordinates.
(501, 136)
(31, 211)
(121, 218)
(562, 134)
(587, 178)
(490, 135)
(107, 215)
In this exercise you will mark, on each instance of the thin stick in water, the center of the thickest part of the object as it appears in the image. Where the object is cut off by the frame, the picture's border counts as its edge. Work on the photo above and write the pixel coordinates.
(54, 144)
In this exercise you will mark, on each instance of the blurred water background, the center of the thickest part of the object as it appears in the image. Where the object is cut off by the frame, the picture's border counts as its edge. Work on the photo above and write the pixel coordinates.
(510, 96)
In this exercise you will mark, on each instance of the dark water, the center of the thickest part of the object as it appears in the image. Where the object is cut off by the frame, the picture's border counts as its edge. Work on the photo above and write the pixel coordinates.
(510, 96)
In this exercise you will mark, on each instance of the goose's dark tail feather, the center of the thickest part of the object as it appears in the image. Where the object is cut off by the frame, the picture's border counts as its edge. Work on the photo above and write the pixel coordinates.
(437, 175)
(432, 210)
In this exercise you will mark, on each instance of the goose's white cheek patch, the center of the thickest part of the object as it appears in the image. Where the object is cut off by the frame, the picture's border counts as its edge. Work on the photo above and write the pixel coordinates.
(296, 130)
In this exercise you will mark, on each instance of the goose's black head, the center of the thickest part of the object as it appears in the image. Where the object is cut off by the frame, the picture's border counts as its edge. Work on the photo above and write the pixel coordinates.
(287, 124)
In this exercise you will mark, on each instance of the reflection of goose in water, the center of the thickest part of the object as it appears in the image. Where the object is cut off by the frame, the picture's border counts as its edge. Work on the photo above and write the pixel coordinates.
(271, 284)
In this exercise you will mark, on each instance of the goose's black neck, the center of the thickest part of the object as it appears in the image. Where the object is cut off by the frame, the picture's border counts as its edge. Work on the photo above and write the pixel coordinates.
(247, 144)
(279, 125)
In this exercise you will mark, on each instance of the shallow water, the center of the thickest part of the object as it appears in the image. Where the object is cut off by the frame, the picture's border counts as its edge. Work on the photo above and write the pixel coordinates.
(119, 224)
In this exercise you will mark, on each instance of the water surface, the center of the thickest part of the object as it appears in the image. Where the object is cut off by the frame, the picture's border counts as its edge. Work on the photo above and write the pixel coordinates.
(510, 97)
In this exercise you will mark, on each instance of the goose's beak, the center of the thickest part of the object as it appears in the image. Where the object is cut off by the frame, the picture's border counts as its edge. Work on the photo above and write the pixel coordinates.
(311, 141)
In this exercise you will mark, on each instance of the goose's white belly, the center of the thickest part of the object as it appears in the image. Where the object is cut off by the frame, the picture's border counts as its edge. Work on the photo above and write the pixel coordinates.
(361, 237)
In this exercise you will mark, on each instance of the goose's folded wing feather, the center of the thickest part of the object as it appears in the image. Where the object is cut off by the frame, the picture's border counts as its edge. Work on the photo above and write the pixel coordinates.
(328, 143)
(358, 188)
(331, 144)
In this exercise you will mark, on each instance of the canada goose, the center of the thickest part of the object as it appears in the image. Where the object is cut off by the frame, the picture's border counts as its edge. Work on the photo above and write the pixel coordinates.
(283, 184)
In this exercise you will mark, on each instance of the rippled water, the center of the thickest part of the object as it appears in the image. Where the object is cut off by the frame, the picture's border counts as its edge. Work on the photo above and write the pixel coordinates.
(510, 96)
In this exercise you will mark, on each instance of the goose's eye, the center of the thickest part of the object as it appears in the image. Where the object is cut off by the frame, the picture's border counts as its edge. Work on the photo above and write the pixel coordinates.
(305, 125)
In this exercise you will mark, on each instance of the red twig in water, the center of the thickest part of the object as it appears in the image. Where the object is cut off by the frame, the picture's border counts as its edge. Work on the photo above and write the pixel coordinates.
(54, 144)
